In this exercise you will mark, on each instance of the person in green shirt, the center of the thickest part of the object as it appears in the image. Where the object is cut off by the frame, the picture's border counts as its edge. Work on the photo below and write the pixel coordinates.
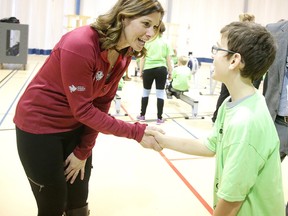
(244, 140)
(181, 76)
(174, 58)
(155, 65)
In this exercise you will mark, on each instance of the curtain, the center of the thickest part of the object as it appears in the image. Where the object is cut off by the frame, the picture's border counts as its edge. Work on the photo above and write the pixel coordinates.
(192, 25)
(268, 11)
(44, 17)
(195, 24)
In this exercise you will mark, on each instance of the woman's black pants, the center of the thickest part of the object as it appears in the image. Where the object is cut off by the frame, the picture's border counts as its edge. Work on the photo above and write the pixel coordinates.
(43, 156)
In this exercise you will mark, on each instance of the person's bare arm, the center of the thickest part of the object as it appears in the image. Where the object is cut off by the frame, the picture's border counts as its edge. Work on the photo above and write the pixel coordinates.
(149, 141)
(225, 208)
(141, 66)
(169, 67)
(184, 145)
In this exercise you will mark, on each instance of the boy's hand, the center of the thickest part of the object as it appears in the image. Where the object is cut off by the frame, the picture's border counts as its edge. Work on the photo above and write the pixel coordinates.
(149, 141)
(158, 136)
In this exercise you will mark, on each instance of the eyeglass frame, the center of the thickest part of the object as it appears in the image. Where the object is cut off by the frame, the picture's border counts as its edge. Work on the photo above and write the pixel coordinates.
(220, 49)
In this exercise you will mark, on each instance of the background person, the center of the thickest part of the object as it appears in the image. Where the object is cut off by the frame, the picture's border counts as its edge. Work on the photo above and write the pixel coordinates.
(153, 66)
(174, 58)
(194, 66)
(181, 76)
(275, 86)
(126, 76)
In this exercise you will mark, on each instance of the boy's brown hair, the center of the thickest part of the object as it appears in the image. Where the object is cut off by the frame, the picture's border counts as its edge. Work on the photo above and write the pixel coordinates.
(255, 45)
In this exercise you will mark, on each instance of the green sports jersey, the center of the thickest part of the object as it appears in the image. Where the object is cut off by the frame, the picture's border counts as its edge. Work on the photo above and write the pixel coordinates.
(248, 166)
(157, 52)
(181, 76)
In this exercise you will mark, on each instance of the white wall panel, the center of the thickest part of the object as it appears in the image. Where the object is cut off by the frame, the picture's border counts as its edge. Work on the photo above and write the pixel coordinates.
(46, 18)
(268, 11)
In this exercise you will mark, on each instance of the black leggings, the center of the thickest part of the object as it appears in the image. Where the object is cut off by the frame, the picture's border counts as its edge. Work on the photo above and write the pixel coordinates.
(158, 74)
(43, 156)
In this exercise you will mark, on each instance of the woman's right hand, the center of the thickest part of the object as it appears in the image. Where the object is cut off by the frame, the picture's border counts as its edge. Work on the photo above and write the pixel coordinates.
(73, 166)
(149, 141)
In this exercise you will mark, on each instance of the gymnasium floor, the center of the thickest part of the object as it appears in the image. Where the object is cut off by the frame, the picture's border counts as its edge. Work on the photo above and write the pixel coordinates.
(127, 180)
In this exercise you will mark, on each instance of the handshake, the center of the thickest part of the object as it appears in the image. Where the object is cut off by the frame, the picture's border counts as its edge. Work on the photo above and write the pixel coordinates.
(152, 138)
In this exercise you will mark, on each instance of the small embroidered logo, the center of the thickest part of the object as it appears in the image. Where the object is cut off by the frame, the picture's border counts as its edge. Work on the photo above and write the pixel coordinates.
(73, 88)
(81, 88)
(99, 75)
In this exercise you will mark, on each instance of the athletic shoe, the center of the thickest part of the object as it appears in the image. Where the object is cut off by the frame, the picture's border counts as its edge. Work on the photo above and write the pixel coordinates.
(160, 121)
(141, 118)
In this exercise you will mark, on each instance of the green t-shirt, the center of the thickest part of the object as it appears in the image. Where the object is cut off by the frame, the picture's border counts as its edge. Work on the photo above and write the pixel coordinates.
(181, 76)
(248, 166)
(157, 52)
(120, 84)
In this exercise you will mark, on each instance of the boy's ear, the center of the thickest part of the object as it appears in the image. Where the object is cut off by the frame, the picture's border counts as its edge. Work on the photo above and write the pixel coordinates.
(236, 62)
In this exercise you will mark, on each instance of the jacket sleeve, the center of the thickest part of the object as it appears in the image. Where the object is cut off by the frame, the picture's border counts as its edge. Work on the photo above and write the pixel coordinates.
(116, 127)
(78, 71)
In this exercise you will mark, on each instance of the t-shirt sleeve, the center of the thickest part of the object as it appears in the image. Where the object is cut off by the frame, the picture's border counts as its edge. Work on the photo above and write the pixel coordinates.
(211, 140)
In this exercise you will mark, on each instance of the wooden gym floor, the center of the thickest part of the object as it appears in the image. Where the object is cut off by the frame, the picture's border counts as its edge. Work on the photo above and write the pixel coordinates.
(127, 180)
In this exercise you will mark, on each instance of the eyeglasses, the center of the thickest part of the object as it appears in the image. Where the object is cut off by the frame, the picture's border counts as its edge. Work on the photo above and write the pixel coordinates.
(215, 49)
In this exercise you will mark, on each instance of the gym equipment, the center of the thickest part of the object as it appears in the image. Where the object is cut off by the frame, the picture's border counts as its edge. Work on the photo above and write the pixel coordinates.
(193, 103)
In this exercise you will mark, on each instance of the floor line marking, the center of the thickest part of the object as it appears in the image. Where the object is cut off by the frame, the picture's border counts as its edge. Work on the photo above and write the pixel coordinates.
(184, 180)
(9, 74)
(18, 94)
(191, 158)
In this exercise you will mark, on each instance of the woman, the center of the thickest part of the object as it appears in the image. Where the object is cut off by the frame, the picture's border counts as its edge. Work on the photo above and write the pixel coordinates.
(66, 105)
(154, 66)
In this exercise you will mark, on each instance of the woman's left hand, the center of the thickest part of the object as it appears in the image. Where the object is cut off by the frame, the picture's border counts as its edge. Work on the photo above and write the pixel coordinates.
(73, 167)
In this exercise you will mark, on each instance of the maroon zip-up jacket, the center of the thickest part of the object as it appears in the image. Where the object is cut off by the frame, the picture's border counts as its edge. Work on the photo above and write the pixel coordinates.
(72, 89)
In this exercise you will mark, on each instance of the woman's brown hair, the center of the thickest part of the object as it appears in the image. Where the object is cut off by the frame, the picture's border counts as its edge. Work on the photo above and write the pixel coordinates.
(109, 25)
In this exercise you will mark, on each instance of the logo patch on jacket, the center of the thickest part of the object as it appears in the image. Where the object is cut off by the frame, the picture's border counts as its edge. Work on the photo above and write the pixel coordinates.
(99, 75)
(73, 88)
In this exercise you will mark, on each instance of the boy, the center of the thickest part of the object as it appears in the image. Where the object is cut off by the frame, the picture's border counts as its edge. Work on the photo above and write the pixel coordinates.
(181, 76)
(248, 179)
